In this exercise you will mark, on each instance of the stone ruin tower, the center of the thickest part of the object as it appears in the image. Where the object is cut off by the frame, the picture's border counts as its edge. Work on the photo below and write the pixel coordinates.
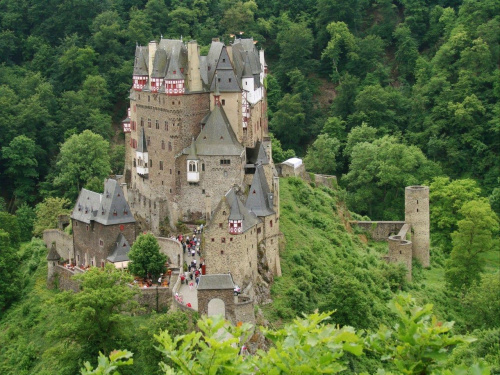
(417, 215)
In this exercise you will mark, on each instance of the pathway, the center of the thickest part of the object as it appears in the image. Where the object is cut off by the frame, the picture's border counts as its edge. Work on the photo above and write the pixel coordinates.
(190, 295)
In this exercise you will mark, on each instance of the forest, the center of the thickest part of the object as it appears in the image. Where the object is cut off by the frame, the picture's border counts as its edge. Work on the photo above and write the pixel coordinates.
(381, 93)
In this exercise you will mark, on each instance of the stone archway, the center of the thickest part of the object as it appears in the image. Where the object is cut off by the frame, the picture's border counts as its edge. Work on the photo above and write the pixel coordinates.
(216, 306)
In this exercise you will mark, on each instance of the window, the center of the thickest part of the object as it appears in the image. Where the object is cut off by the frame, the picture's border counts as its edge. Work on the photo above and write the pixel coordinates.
(170, 171)
(169, 146)
(142, 121)
(271, 223)
(223, 101)
(231, 239)
(225, 161)
(115, 213)
(101, 243)
(220, 225)
(178, 172)
(218, 79)
(223, 60)
(149, 98)
(223, 240)
(258, 230)
(229, 79)
(192, 166)
(87, 228)
(149, 123)
(148, 141)
(213, 239)
(166, 125)
(202, 191)
(161, 166)
(163, 145)
(203, 167)
(150, 163)
(76, 223)
(157, 124)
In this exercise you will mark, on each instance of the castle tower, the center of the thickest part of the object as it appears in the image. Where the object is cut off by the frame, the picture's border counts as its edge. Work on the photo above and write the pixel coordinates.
(417, 215)
(52, 260)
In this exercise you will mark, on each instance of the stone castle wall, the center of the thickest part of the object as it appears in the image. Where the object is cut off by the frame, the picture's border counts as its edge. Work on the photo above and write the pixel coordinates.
(172, 249)
(63, 241)
(379, 230)
(225, 252)
(214, 182)
(170, 123)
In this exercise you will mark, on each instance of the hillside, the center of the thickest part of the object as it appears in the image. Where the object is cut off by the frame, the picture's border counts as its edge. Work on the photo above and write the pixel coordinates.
(325, 265)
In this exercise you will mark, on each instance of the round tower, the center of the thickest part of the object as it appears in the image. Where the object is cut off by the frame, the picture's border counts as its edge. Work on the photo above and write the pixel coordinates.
(417, 215)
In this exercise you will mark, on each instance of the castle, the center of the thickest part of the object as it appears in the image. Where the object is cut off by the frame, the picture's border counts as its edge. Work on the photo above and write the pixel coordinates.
(197, 148)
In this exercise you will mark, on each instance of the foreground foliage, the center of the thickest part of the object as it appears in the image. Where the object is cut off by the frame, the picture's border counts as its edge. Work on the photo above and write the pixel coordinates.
(417, 344)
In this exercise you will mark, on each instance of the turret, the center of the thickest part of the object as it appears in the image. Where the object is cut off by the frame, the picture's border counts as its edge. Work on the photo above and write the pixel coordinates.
(193, 171)
(417, 215)
(141, 154)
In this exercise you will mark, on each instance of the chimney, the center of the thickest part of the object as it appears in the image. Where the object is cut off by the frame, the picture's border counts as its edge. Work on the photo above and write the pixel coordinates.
(194, 76)
(152, 52)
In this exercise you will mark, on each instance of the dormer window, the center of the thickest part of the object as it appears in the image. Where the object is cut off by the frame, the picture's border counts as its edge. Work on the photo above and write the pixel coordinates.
(125, 212)
(175, 71)
(115, 213)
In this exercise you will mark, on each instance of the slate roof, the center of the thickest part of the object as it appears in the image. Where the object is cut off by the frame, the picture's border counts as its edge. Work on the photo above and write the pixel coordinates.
(218, 281)
(217, 137)
(108, 208)
(141, 142)
(159, 64)
(170, 57)
(141, 61)
(246, 60)
(120, 250)
(257, 155)
(227, 80)
(240, 212)
(258, 196)
(213, 58)
(53, 254)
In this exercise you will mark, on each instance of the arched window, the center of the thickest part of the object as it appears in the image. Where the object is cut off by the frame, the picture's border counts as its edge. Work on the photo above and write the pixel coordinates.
(192, 166)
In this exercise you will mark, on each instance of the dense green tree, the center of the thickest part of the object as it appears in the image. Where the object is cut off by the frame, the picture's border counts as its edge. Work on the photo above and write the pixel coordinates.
(117, 159)
(239, 17)
(96, 317)
(482, 310)
(26, 216)
(446, 200)
(181, 23)
(288, 123)
(139, 28)
(473, 237)
(146, 258)
(9, 265)
(359, 134)
(157, 14)
(377, 175)
(280, 155)
(10, 225)
(321, 155)
(47, 213)
(76, 64)
(295, 41)
(21, 164)
(82, 157)
(407, 51)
